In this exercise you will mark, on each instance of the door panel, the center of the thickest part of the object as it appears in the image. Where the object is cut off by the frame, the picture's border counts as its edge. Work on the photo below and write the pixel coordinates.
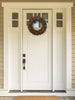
(38, 50)
(59, 50)
(14, 54)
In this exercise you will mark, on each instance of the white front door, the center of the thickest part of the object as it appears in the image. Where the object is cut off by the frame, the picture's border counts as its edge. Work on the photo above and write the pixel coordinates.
(37, 52)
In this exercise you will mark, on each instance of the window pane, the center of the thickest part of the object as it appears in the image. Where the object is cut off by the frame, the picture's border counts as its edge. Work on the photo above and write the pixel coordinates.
(35, 14)
(38, 14)
(59, 15)
(47, 23)
(14, 23)
(29, 15)
(36, 24)
(14, 15)
(45, 15)
(59, 23)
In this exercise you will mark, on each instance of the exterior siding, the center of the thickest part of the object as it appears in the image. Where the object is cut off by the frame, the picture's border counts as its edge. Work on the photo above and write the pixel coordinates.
(1, 47)
(73, 36)
(73, 47)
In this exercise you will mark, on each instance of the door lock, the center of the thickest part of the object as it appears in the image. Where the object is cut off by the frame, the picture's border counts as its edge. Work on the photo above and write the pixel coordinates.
(24, 55)
(23, 67)
(24, 61)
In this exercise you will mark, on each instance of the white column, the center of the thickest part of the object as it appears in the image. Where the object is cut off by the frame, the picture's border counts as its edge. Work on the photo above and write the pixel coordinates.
(68, 49)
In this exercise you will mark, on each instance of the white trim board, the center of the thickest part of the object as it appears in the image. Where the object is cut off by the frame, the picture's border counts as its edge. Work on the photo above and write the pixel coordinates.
(36, 4)
(68, 49)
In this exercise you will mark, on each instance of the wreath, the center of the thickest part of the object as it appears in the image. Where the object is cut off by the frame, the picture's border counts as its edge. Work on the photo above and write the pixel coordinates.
(40, 20)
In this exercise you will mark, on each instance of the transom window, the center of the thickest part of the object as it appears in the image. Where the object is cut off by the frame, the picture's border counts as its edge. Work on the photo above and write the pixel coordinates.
(37, 24)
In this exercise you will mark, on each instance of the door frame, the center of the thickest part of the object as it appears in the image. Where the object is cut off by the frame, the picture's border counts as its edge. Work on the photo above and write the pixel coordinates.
(46, 5)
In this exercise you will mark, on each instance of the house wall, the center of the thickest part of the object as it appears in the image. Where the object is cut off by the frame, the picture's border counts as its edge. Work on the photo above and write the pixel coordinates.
(1, 36)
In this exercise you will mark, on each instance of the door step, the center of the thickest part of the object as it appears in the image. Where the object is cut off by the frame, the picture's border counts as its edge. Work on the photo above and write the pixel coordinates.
(60, 91)
(25, 91)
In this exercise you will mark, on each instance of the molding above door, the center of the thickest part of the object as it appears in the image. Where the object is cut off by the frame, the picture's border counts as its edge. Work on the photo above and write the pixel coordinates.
(37, 4)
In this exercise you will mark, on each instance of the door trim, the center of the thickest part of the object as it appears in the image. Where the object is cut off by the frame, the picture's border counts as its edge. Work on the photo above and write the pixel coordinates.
(48, 5)
(54, 5)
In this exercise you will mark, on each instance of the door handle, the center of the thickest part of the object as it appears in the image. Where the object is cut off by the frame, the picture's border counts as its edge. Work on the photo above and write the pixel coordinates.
(24, 61)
